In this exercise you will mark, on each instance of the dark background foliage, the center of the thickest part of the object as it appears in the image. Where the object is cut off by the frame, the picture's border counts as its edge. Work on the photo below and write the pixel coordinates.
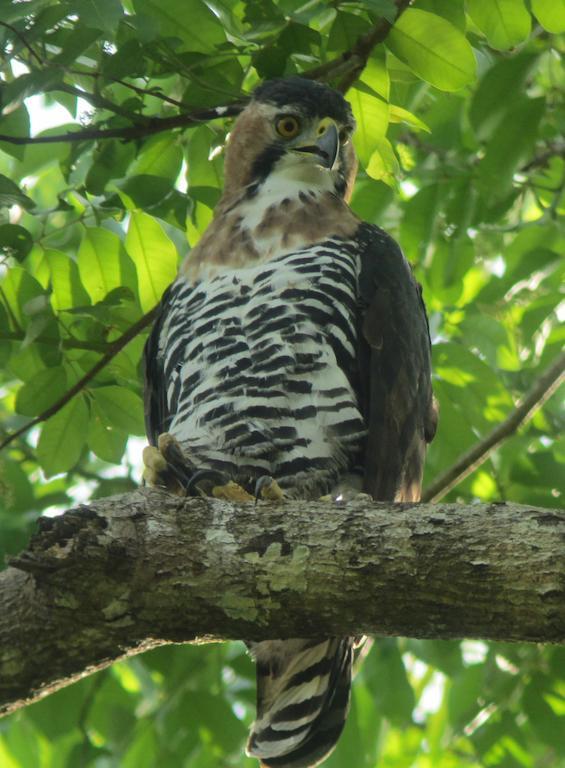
(460, 114)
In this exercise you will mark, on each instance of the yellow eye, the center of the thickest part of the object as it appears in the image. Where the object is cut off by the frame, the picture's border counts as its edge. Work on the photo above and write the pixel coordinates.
(288, 126)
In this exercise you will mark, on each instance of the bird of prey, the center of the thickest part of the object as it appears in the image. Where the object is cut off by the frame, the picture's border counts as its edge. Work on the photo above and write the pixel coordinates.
(293, 345)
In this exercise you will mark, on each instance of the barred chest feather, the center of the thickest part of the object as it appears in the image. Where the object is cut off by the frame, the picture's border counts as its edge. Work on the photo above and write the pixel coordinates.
(260, 366)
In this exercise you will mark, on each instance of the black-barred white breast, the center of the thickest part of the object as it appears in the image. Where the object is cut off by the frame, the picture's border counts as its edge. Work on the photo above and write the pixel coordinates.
(260, 368)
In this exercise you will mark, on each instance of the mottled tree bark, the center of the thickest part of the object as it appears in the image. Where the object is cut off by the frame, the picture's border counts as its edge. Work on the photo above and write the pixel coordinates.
(131, 572)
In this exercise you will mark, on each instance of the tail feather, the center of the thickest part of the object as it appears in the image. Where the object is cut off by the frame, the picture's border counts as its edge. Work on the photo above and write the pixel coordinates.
(302, 700)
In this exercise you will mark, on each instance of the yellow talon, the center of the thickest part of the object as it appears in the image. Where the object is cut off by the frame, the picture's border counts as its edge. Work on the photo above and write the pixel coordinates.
(231, 492)
(154, 460)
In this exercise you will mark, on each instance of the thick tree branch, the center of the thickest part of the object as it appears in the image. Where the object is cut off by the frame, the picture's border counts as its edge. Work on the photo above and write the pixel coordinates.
(134, 571)
(112, 350)
(540, 392)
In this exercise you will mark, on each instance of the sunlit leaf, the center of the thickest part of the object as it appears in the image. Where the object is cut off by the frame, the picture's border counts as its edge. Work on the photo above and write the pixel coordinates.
(383, 164)
(65, 280)
(101, 260)
(154, 255)
(506, 23)
(436, 50)
(371, 113)
(550, 14)
(119, 408)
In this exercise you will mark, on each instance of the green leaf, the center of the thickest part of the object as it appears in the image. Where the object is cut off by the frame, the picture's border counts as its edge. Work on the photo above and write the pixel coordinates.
(101, 262)
(111, 159)
(154, 256)
(345, 31)
(420, 220)
(509, 147)
(401, 115)
(375, 75)
(506, 23)
(107, 442)
(464, 695)
(371, 114)
(451, 10)
(499, 89)
(160, 156)
(18, 288)
(549, 727)
(387, 679)
(15, 241)
(100, 14)
(550, 14)
(41, 391)
(433, 48)
(119, 408)
(11, 194)
(63, 437)
(15, 123)
(144, 191)
(383, 164)
(68, 291)
(192, 22)
(203, 172)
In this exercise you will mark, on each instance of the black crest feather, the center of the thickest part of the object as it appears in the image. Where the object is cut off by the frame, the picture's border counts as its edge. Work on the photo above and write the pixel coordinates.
(311, 98)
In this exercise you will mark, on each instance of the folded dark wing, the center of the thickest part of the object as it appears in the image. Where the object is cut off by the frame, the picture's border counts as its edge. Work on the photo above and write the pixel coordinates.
(394, 370)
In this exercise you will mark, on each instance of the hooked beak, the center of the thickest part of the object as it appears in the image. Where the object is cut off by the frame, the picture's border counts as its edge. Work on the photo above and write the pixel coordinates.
(326, 147)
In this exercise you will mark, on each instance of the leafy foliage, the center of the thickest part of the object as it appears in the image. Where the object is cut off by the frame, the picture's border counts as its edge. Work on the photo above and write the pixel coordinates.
(460, 113)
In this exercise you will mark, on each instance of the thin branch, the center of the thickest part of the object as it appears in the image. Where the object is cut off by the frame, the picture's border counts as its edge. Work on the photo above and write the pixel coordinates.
(468, 462)
(554, 149)
(355, 59)
(113, 349)
(153, 125)
(155, 92)
(365, 45)
(100, 102)
(68, 343)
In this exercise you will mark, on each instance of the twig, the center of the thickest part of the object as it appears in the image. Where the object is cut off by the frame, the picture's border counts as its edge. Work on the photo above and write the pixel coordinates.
(100, 102)
(23, 40)
(355, 59)
(113, 349)
(364, 46)
(554, 149)
(468, 462)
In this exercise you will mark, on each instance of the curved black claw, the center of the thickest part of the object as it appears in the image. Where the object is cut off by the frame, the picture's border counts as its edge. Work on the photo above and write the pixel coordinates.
(265, 481)
(268, 489)
(213, 476)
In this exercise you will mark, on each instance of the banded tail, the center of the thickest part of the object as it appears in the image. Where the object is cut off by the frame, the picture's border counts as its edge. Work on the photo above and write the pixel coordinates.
(302, 700)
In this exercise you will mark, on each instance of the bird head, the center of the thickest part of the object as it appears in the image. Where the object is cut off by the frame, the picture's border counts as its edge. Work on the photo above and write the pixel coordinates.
(293, 129)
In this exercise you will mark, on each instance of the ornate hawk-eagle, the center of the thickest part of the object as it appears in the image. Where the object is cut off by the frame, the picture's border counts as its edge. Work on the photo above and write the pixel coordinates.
(294, 345)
